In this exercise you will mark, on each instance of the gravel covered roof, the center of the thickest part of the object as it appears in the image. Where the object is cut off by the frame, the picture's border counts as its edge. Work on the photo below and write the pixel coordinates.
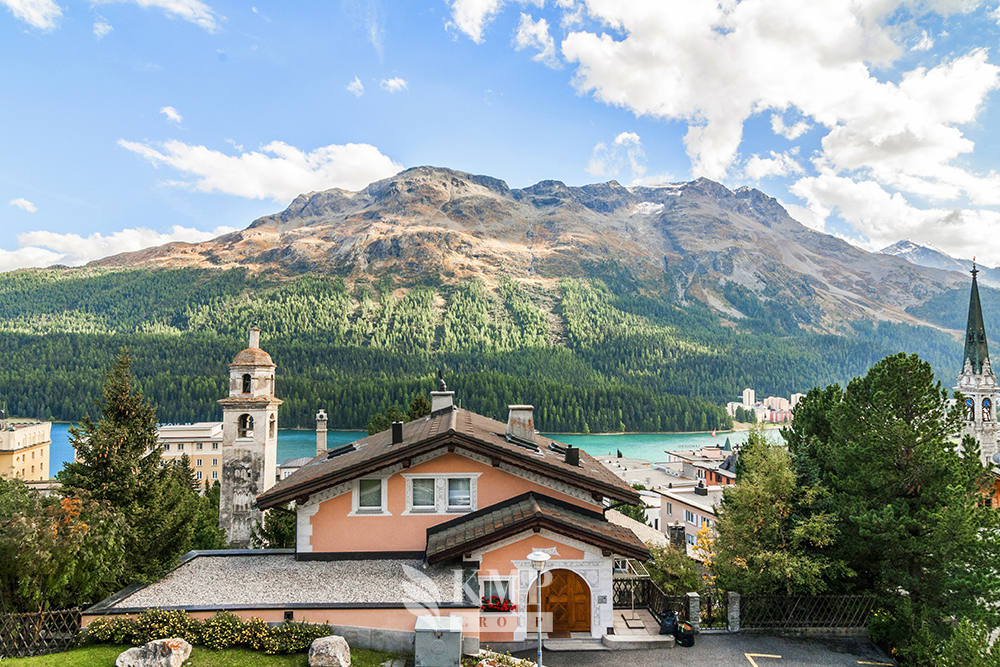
(229, 581)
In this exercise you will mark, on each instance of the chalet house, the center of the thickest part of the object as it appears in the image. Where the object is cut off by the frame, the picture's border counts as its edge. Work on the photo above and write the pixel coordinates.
(426, 517)
(461, 489)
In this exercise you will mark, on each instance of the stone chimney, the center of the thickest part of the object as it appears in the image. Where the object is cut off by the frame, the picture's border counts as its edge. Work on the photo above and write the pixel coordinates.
(254, 337)
(521, 423)
(442, 398)
(321, 432)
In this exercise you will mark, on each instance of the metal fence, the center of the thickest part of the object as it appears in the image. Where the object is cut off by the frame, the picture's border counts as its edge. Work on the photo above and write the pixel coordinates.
(714, 608)
(804, 611)
(642, 593)
(26, 635)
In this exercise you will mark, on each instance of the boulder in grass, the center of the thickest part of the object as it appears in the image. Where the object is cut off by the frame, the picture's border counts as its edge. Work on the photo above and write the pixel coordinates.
(331, 651)
(159, 653)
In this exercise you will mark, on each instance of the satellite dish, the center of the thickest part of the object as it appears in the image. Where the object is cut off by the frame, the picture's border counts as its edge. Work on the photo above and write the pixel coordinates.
(996, 459)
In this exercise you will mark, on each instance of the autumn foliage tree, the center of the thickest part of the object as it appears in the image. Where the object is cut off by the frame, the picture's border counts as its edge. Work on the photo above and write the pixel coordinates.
(56, 552)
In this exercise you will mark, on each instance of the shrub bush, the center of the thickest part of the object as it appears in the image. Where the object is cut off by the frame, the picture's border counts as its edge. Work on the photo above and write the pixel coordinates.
(166, 623)
(224, 630)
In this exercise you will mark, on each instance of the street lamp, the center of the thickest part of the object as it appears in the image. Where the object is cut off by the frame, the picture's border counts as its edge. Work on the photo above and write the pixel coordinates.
(538, 560)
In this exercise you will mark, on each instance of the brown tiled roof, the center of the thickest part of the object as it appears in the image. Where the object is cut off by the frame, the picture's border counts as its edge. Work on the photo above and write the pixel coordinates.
(526, 512)
(451, 427)
(252, 356)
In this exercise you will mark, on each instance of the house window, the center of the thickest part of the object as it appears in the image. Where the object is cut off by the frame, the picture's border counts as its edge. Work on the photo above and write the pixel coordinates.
(706, 522)
(198, 446)
(197, 463)
(690, 517)
(670, 509)
(197, 475)
(215, 474)
(215, 462)
(690, 539)
(369, 497)
(423, 494)
(244, 426)
(459, 493)
(215, 445)
(180, 447)
(166, 448)
(495, 588)
(656, 524)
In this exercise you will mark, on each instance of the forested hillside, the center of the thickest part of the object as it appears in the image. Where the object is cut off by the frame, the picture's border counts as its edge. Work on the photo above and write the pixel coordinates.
(588, 357)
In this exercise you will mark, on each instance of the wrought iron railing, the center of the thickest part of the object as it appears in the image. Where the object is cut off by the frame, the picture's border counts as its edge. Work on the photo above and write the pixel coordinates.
(25, 635)
(642, 593)
(805, 611)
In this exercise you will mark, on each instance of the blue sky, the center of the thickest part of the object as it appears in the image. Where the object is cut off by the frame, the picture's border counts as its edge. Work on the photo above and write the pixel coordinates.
(131, 123)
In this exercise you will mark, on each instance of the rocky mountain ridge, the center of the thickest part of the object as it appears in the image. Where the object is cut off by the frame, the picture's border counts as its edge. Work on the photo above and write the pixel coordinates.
(686, 241)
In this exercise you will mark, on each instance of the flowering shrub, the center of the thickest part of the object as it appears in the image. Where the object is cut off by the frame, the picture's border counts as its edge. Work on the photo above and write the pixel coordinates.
(224, 630)
(496, 604)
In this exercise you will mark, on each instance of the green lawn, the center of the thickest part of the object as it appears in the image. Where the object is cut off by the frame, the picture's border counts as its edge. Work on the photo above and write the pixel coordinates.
(104, 656)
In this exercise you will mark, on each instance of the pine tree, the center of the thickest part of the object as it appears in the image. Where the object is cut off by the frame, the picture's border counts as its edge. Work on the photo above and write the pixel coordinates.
(119, 461)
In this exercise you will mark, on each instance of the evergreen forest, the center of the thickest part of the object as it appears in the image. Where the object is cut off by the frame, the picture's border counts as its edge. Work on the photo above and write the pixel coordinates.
(589, 357)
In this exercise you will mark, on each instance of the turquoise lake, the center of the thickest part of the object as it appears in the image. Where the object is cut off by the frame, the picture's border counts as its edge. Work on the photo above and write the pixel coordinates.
(294, 444)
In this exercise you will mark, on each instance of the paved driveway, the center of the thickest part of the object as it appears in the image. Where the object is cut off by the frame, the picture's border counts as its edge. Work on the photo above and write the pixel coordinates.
(732, 651)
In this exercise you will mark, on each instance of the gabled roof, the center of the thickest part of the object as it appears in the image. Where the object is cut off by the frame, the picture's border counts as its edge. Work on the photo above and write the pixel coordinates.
(450, 427)
(529, 511)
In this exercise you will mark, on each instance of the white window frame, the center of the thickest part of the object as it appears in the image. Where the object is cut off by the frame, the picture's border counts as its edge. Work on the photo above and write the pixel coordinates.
(690, 539)
(215, 474)
(509, 581)
(197, 475)
(690, 517)
(197, 463)
(356, 509)
(670, 509)
(441, 492)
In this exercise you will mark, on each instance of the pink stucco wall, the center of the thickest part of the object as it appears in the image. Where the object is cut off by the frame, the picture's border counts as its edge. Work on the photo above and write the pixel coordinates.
(334, 531)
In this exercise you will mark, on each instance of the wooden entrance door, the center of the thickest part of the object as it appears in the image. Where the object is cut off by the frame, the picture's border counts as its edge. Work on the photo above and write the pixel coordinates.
(567, 598)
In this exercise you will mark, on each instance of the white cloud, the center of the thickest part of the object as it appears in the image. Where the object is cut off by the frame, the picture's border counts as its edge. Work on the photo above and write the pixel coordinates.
(356, 87)
(41, 14)
(779, 164)
(23, 204)
(193, 11)
(369, 16)
(882, 217)
(926, 43)
(624, 151)
(46, 248)
(172, 115)
(394, 85)
(278, 171)
(788, 132)
(101, 28)
(472, 16)
(535, 34)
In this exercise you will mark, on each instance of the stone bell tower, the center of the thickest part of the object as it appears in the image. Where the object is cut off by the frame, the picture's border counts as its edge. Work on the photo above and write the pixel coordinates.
(977, 382)
(249, 441)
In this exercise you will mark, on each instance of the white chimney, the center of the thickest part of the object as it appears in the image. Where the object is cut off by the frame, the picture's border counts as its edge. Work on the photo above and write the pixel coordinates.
(521, 423)
(441, 400)
(320, 432)
(254, 337)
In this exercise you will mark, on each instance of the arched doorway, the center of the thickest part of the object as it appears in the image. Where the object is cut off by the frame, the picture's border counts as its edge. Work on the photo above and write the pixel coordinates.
(566, 596)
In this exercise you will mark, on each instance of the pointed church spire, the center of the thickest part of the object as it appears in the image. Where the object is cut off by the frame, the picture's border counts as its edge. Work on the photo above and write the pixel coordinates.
(976, 351)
